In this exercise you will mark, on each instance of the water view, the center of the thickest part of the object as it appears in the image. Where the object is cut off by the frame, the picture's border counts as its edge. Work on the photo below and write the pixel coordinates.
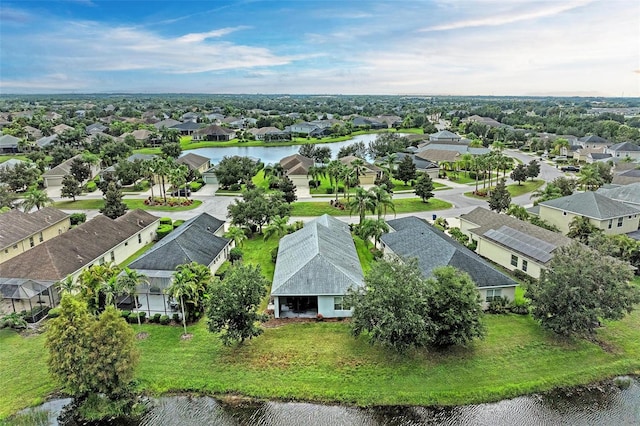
(273, 154)
(601, 405)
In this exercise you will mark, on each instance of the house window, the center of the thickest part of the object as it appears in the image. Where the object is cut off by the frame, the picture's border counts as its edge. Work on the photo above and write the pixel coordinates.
(493, 293)
(31, 243)
(514, 260)
(610, 223)
(620, 219)
(41, 238)
(525, 265)
(338, 303)
(139, 238)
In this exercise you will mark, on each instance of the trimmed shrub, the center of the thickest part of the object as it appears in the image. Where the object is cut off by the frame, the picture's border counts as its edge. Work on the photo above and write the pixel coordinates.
(125, 314)
(54, 313)
(77, 218)
(195, 186)
(155, 318)
(176, 318)
(520, 307)
(274, 254)
(163, 231)
(235, 254)
(165, 320)
(177, 223)
(235, 187)
(91, 186)
(166, 221)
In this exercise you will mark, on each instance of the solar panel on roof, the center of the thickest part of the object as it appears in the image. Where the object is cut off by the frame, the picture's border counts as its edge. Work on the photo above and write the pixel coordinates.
(523, 243)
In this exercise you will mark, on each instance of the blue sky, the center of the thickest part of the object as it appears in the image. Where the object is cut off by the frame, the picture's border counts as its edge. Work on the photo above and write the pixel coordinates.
(438, 47)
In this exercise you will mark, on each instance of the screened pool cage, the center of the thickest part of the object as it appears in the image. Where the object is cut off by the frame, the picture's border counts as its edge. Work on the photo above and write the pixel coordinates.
(33, 299)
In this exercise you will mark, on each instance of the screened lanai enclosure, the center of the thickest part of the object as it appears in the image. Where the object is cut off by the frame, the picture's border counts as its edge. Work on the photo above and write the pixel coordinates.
(31, 298)
(151, 296)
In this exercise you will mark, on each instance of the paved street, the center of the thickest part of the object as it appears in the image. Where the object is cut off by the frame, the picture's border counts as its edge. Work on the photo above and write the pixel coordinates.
(217, 205)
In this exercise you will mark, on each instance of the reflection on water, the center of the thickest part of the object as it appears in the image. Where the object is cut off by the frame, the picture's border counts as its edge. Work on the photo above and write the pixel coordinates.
(597, 406)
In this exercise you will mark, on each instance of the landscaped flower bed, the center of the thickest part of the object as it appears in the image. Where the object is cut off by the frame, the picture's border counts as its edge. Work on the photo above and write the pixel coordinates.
(171, 202)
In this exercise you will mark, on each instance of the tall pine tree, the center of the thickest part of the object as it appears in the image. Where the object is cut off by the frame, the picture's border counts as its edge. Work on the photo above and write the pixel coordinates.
(113, 205)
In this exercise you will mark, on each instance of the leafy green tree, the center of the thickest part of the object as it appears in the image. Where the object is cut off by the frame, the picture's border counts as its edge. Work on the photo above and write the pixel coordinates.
(113, 206)
(622, 247)
(257, 208)
(19, 177)
(566, 185)
(518, 212)
(307, 150)
(70, 187)
(500, 198)
(533, 169)
(114, 152)
(519, 174)
(35, 198)
(549, 192)
(112, 356)
(580, 288)
(455, 307)
(236, 169)
(171, 150)
(234, 301)
(288, 188)
(393, 306)
(406, 170)
(80, 170)
(7, 197)
(424, 187)
(68, 339)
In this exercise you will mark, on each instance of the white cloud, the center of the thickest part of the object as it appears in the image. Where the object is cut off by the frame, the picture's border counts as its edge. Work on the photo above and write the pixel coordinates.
(199, 37)
(519, 14)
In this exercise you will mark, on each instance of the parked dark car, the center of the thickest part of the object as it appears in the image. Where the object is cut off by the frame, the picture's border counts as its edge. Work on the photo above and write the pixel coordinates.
(570, 169)
(181, 193)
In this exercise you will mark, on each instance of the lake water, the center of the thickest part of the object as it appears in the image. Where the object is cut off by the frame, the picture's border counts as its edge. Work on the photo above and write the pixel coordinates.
(273, 154)
(602, 405)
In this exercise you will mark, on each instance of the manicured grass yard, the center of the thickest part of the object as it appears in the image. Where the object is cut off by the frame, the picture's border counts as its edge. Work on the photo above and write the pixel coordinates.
(526, 187)
(132, 203)
(402, 205)
(323, 362)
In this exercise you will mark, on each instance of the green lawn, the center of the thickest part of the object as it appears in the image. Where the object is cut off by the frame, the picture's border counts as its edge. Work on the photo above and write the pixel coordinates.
(364, 253)
(402, 205)
(132, 203)
(136, 255)
(526, 187)
(323, 362)
(4, 158)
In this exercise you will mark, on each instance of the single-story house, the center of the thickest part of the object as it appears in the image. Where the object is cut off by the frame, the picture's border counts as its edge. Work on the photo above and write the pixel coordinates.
(54, 176)
(411, 237)
(97, 241)
(195, 162)
(582, 153)
(21, 231)
(444, 136)
(297, 168)
(422, 165)
(9, 144)
(369, 123)
(613, 217)
(166, 123)
(187, 128)
(315, 268)
(627, 177)
(199, 240)
(96, 128)
(46, 141)
(369, 173)
(628, 194)
(61, 128)
(270, 134)
(511, 243)
(594, 157)
(214, 133)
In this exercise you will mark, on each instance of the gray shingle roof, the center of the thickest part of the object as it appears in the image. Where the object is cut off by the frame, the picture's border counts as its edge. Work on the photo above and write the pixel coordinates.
(625, 147)
(591, 204)
(319, 259)
(193, 241)
(15, 225)
(593, 139)
(414, 237)
(629, 194)
(193, 161)
(9, 141)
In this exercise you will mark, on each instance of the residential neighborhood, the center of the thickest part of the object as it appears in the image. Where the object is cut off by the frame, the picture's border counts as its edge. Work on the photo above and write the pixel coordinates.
(162, 213)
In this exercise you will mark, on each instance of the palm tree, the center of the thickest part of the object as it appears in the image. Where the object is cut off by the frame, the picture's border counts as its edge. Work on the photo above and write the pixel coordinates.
(111, 289)
(148, 168)
(237, 234)
(382, 200)
(183, 284)
(358, 166)
(549, 192)
(278, 226)
(466, 159)
(518, 212)
(372, 228)
(35, 198)
(559, 144)
(361, 203)
(390, 162)
(349, 178)
(178, 178)
(498, 146)
(67, 285)
(129, 282)
(590, 178)
(334, 170)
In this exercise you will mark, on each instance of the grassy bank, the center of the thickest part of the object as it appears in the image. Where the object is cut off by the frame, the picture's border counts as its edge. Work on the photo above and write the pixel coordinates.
(323, 362)
(402, 205)
(132, 203)
(514, 189)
